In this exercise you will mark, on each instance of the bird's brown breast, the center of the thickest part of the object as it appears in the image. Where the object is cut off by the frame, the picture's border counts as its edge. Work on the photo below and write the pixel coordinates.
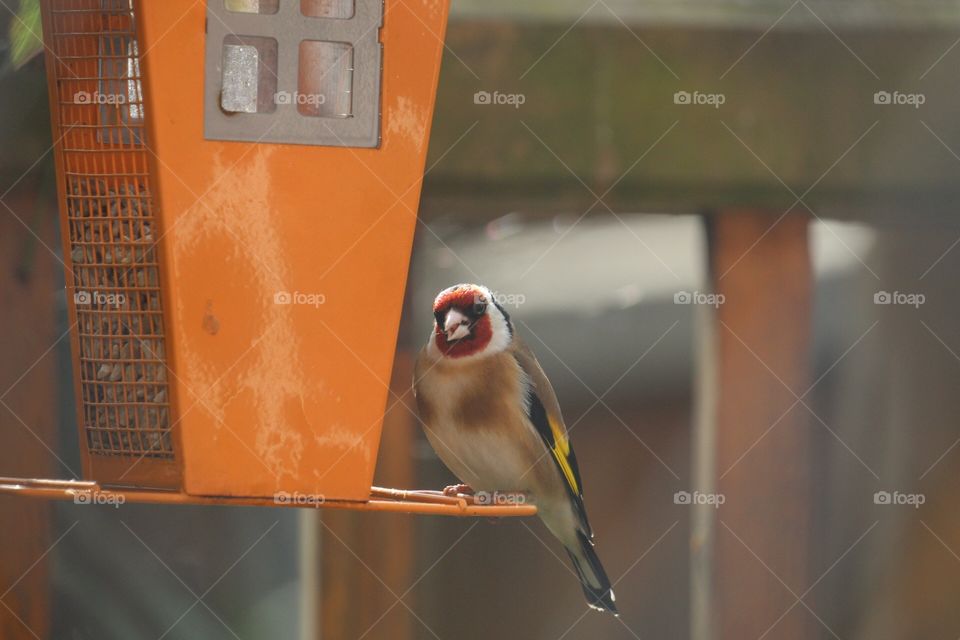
(474, 395)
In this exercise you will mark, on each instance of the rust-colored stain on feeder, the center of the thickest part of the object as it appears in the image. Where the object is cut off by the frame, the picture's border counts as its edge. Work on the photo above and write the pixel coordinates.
(235, 304)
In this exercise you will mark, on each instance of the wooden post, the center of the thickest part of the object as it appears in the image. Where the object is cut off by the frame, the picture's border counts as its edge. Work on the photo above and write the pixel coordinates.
(703, 472)
(28, 279)
(760, 538)
(359, 550)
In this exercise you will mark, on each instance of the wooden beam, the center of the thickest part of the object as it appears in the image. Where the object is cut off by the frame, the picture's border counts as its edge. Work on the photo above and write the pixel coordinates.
(726, 14)
(598, 107)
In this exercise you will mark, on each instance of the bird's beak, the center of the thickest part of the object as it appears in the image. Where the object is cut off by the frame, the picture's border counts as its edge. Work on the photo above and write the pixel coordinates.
(456, 326)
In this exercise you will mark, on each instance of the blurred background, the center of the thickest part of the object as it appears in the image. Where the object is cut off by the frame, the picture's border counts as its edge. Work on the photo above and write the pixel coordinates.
(727, 229)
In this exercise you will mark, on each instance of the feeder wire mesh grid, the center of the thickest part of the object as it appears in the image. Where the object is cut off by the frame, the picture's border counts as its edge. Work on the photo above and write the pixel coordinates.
(111, 229)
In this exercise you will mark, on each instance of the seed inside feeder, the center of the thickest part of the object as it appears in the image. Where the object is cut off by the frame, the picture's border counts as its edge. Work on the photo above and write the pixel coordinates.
(116, 281)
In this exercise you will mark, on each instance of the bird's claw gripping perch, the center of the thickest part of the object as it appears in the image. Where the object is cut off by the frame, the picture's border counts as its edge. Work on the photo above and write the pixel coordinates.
(456, 489)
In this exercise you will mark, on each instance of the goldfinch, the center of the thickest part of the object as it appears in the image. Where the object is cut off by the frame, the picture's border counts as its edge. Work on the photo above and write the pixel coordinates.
(493, 418)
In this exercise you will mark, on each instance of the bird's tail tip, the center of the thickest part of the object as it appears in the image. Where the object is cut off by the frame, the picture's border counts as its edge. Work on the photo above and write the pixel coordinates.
(596, 586)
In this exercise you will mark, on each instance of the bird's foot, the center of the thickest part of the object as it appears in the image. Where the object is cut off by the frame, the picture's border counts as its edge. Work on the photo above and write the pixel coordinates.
(455, 489)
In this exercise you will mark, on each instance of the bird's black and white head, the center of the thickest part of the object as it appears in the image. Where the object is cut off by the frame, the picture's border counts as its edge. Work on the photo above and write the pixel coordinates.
(468, 323)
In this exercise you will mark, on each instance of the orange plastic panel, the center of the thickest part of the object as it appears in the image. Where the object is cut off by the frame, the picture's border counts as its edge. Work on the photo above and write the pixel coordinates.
(283, 268)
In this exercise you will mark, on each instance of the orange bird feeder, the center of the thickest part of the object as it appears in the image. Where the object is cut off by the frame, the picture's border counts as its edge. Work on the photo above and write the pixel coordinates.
(238, 185)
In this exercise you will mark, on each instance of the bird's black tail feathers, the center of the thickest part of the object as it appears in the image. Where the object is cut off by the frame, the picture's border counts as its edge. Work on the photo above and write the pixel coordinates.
(593, 579)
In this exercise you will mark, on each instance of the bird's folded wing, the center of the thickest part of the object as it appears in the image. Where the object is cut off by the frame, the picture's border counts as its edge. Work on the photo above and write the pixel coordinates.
(543, 411)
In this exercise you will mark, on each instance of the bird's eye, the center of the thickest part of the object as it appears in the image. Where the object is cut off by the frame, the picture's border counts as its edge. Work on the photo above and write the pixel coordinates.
(479, 307)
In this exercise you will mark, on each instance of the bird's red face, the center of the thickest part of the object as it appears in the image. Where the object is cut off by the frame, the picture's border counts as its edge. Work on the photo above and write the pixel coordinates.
(463, 326)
